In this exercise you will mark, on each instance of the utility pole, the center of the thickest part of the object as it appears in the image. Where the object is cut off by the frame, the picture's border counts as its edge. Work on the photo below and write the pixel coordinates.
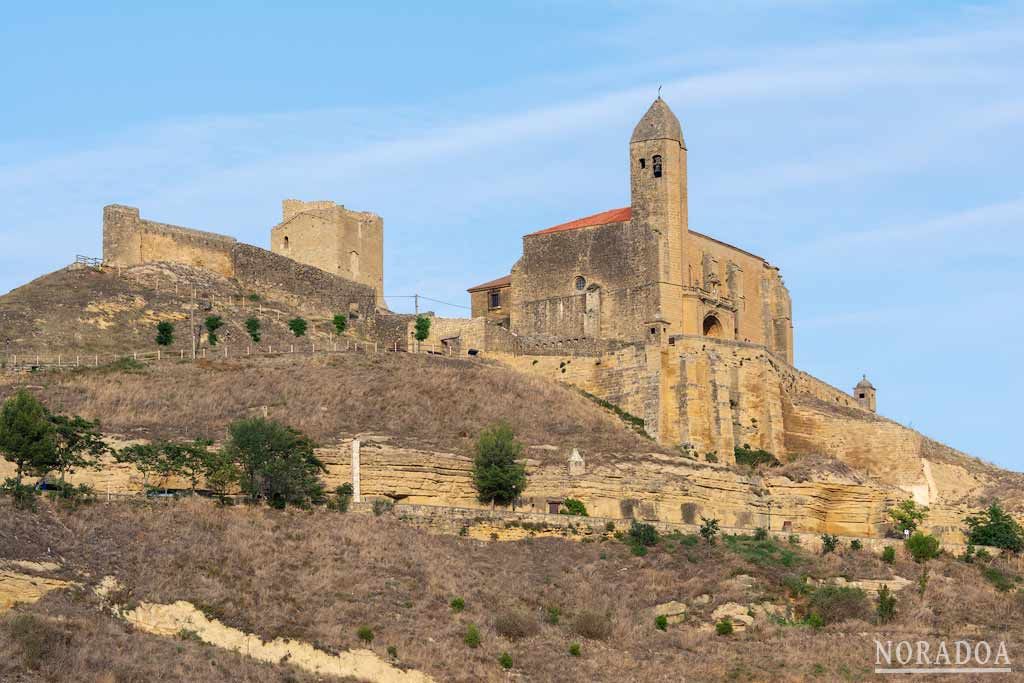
(416, 299)
(192, 322)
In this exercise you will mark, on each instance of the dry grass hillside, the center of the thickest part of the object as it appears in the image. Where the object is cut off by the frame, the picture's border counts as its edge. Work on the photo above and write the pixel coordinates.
(319, 576)
(81, 311)
(419, 400)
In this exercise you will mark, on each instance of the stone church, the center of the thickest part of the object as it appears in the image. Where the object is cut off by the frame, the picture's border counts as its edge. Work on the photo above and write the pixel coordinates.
(639, 273)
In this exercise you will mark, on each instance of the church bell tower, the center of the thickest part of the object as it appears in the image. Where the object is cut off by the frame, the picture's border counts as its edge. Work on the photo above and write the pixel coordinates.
(657, 170)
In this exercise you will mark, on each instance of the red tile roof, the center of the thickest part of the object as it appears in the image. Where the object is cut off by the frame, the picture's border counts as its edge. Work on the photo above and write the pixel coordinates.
(603, 218)
(493, 284)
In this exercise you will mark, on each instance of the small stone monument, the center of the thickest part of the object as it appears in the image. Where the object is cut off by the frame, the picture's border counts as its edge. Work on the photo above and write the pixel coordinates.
(577, 466)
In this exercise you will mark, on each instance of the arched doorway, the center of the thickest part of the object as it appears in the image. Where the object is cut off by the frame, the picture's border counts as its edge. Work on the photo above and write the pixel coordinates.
(712, 328)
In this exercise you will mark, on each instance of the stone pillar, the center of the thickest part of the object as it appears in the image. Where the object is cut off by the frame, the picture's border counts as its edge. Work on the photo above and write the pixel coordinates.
(356, 495)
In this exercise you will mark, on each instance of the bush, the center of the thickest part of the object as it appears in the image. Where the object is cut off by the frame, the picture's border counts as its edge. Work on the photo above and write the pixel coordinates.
(382, 506)
(422, 328)
(661, 622)
(794, 539)
(829, 542)
(342, 497)
(886, 605)
(552, 615)
(856, 544)
(708, 529)
(592, 624)
(838, 603)
(644, 535)
(37, 639)
(298, 327)
(457, 604)
(889, 554)
(516, 624)
(922, 546)
(995, 527)
(1002, 581)
(571, 506)
(724, 627)
(760, 534)
(340, 323)
(745, 455)
(365, 634)
(252, 326)
(907, 515)
(505, 659)
(164, 333)
(497, 475)
(212, 324)
(609, 527)
(25, 497)
(472, 637)
(574, 649)
(393, 651)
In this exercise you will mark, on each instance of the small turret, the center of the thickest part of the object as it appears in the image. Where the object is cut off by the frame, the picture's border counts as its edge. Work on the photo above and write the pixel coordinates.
(864, 392)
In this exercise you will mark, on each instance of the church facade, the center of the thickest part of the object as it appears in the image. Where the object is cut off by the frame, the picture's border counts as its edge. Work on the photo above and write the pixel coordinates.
(638, 273)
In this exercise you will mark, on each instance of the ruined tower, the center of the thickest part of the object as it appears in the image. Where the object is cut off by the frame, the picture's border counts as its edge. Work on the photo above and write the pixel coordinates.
(864, 392)
(330, 237)
(657, 170)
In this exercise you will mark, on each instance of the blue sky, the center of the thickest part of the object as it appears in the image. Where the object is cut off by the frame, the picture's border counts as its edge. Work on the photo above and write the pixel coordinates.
(870, 149)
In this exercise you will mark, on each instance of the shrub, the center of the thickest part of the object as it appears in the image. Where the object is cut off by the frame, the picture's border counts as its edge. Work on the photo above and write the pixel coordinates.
(422, 328)
(393, 651)
(212, 324)
(829, 542)
(298, 327)
(745, 455)
(381, 506)
(552, 615)
(37, 639)
(516, 624)
(472, 637)
(794, 539)
(592, 624)
(609, 526)
(505, 659)
(796, 585)
(995, 527)
(457, 604)
(365, 634)
(253, 297)
(998, 578)
(164, 333)
(252, 326)
(838, 603)
(814, 620)
(574, 649)
(638, 549)
(922, 546)
(340, 323)
(708, 529)
(886, 605)
(856, 544)
(661, 622)
(342, 497)
(724, 627)
(760, 534)
(25, 497)
(907, 515)
(889, 554)
(571, 506)
(641, 534)
(711, 456)
(497, 475)
(276, 463)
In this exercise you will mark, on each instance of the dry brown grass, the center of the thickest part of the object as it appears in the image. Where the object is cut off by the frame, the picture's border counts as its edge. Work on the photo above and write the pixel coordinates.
(421, 400)
(319, 576)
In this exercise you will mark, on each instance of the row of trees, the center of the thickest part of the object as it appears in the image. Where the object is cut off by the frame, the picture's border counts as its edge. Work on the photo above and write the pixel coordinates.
(993, 526)
(253, 326)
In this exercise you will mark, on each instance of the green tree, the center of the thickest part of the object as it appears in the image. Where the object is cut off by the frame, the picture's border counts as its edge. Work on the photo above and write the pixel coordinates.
(151, 460)
(212, 324)
(189, 459)
(572, 506)
(297, 326)
(422, 328)
(164, 333)
(27, 436)
(908, 515)
(886, 605)
(995, 527)
(340, 323)
(77, 443)
(922, 547)
(708, 529)
(276, 463)
(220, 472)
(252, 326)
(497, 476)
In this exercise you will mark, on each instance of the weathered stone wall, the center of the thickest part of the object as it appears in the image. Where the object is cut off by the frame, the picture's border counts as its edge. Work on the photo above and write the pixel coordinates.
(480, 303)
(345, 243)
(616, 260)
(130, 240)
